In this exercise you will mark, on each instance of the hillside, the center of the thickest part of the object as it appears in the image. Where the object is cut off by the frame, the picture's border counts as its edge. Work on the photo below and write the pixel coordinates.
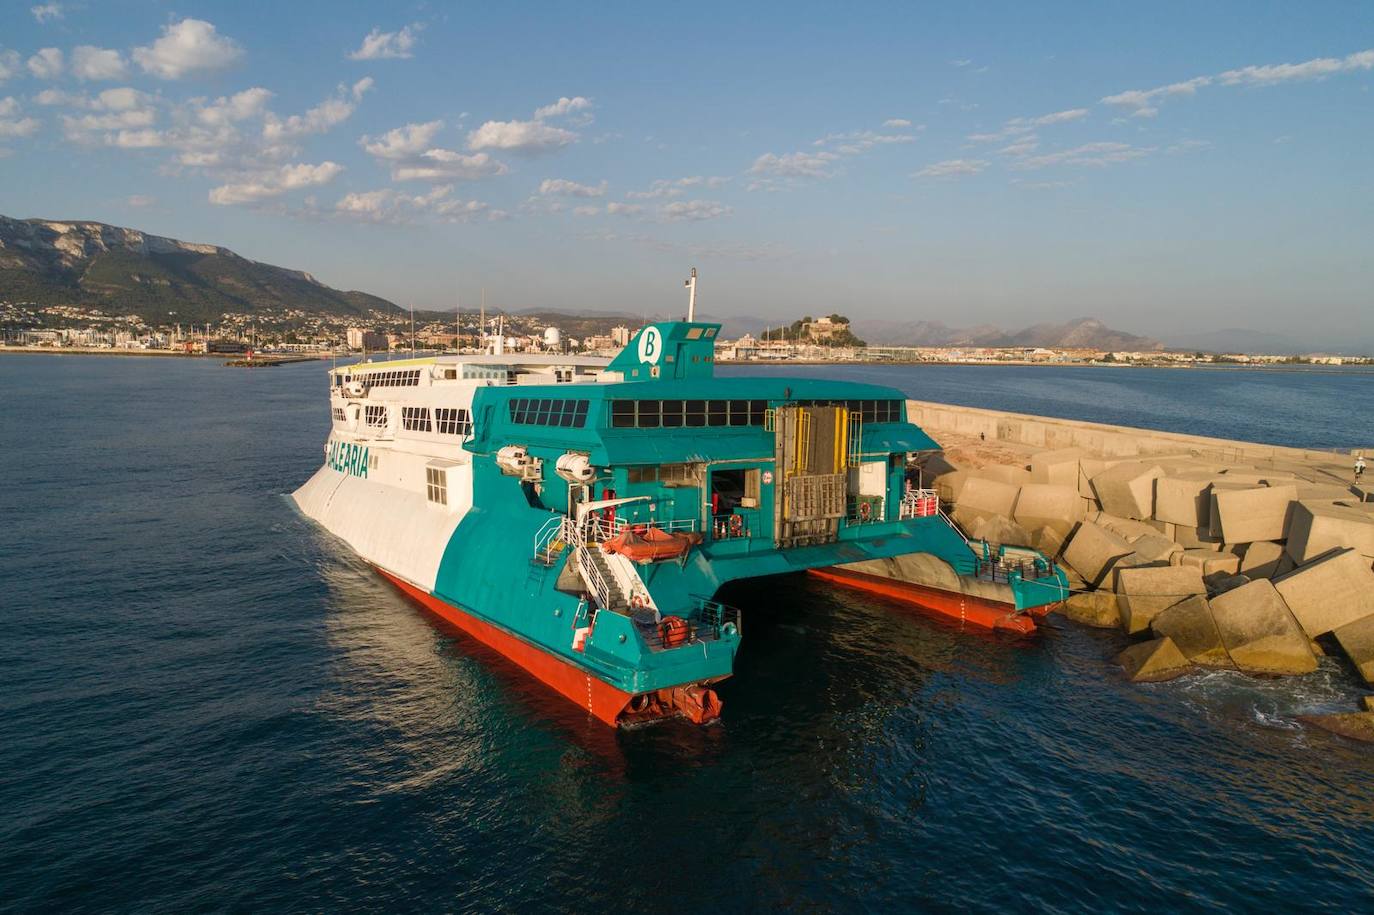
(125, 271)
(1080, 333)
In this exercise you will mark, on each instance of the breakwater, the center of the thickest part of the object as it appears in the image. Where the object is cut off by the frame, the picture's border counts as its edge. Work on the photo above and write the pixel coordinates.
(1214, 554)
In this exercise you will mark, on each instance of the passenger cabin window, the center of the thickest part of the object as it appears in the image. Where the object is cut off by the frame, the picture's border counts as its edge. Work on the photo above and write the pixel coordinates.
(416, 419)
(452, 421)
(870, 411)
(555, 411)
(436, 485)
(375, 415)
(391, 379)
(338, 414)
(676, 414)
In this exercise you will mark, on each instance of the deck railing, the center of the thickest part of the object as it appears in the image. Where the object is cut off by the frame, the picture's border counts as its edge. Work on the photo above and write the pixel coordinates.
(920, 503)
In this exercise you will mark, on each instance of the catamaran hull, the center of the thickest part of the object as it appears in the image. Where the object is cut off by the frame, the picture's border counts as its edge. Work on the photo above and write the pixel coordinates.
(964, 609)
(696, 702)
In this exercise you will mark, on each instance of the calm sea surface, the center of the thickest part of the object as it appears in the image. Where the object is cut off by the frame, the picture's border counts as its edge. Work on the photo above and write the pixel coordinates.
(207, 704)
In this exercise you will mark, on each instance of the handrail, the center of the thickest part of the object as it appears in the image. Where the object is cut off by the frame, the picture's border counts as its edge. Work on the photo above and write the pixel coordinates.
(919, 503)
(592, 576)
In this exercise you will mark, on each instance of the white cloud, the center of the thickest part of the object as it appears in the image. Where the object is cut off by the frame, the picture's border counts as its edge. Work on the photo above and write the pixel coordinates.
(794, 165)
(1183, 146)
(562, 187)
(962, 62)
(140, 200)
(561, 107)
(402, 142)
(1060, 117)
(92, 63)
(12, 126)
(46, 64)
(587, 210)
(676, 187)
(1022, 147)
(137, 139)
(520, 136)
(896, 122)
(324, 117)
(361, 87)
(274, 183)
(408, 150)
(379, 45)
(951, 168)
(117, 110)
(45, 12)
(692, 210)
(448, 165)
(1269, 74)
(624, 209)
(241, 106)
(1144, 101)
(188, 47)
(9, 64)
(58, 97)
(1089, 154)
(389, 206)
(861, 141)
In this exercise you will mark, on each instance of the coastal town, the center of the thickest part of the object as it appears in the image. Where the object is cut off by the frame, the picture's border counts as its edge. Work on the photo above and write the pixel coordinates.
(287, 331)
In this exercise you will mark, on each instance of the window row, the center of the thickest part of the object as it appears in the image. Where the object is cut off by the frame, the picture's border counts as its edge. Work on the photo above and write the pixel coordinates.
(337, 413)
(446, 421)
(375, 415)
(669, 414)
(436, 485)
(870, 411)
(530, 411)
(391, 379)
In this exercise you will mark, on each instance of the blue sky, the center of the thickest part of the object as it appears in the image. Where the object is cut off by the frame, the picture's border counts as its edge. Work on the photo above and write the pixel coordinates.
(1166, 167)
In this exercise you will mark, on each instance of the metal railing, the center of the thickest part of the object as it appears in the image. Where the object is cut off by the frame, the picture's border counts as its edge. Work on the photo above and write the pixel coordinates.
(865, 510)
(709, 621)
(729, 526)
(919, 503)
(592, 576)
(686, 525)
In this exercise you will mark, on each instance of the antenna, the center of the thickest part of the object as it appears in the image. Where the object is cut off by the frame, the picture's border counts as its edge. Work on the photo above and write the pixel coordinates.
(482, 327)
(691, 285)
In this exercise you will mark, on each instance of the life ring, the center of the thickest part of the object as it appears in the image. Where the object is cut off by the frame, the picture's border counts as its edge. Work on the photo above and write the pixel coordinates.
(865, 511)
(673, 629)
(736, 525)
(639, 602)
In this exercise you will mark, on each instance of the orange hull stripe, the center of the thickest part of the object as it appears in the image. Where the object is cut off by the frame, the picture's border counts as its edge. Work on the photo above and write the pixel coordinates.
(963, 608)
(602, 700)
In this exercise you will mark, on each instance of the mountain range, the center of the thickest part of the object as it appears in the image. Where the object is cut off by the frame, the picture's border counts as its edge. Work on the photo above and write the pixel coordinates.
(125, 271)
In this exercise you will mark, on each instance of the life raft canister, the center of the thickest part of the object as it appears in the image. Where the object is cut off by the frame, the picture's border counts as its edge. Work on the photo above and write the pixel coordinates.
(673, 629)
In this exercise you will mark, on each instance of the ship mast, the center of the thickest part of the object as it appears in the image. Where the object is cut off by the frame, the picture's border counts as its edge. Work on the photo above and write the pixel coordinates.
(691, 285)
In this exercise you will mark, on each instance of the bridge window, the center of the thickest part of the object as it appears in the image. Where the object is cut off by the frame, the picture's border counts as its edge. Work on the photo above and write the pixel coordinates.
(545, 411)
(416, 419)
(375, 415)
(451, 421)
(673, 414)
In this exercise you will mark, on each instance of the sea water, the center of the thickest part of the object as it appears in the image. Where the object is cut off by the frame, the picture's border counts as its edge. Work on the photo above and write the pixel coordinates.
(206, 703)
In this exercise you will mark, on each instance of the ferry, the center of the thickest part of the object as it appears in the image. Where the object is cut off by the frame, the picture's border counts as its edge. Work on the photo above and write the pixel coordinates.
(581, 516)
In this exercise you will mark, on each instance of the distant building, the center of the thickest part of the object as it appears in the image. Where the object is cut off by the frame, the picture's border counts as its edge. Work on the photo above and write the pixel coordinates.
(361, 338)
(620, 336)
(822, 328)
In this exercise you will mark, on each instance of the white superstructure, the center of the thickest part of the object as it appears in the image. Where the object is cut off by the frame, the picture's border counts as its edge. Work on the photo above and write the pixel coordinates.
(396, 480)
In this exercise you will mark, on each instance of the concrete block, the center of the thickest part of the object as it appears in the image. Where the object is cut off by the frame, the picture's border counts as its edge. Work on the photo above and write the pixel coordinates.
(1183, 499)
(1093, 608)
(1189, 623)
(1221, 582)
(1261, 559)
(1317, 527)
(1048, 540)
(1157, 547)
(1259, 632)
(1153, 661)
(1092, 550)
(1350, 725)
(1357, 641)
(982, 498)
(1210, 562)
(1089, 468)
(999, 530)
(949, 485)
(1048, 505)
(1003, 473)
(1058, 468)
(1143, 592)
(1247, 515)
(1330, 591)
(1129, 528)
(1196, 538)
(1213, 518)
(1128, 489)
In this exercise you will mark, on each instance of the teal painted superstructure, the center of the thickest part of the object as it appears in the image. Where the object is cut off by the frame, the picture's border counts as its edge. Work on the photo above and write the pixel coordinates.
(666, 436)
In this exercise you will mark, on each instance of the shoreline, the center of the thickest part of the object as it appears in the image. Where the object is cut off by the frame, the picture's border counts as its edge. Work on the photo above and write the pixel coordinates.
(905, 363)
